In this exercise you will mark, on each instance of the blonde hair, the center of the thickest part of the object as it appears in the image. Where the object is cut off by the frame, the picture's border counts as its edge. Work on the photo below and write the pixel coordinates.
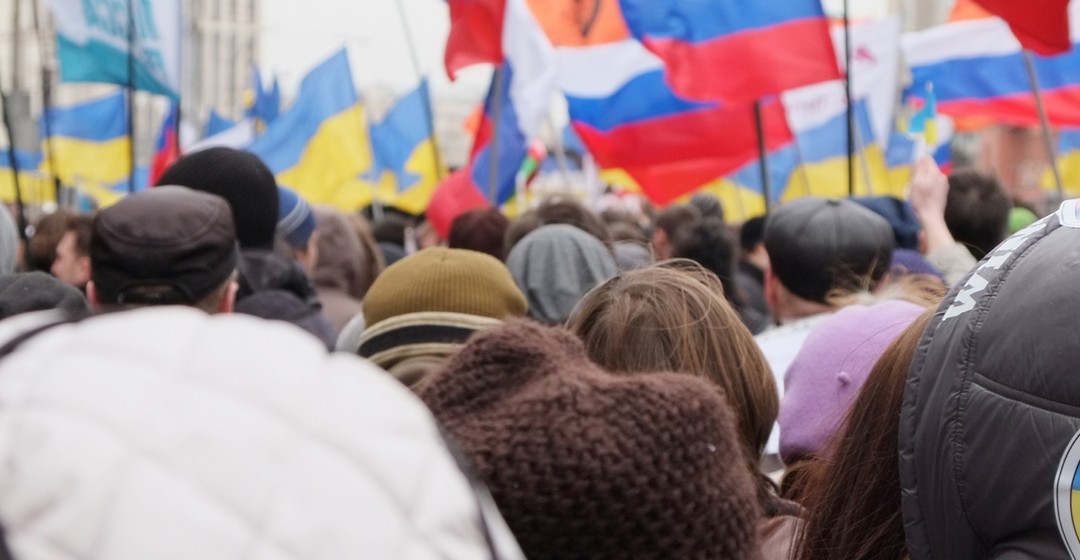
(673, 317)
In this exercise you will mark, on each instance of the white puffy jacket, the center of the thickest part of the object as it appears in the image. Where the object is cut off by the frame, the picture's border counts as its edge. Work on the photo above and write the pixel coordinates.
(170, 434)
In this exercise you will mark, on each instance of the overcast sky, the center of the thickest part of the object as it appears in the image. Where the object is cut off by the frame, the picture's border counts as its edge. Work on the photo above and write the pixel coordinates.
(297, 35)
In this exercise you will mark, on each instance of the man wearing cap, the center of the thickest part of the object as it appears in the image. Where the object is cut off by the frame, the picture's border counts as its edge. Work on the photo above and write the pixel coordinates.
(165, 246)
(817, 248)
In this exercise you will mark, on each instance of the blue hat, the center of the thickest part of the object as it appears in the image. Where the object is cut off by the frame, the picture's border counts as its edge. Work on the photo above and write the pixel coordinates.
(296, 221)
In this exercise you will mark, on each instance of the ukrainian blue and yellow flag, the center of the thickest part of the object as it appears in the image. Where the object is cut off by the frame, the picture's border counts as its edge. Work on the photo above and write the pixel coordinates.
(406, 165)
(88, 143)
(320, 146)
(35, 189)
(1068, 153)
(824, 160)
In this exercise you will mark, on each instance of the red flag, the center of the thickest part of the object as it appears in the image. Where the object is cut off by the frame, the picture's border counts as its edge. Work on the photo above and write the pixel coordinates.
(168, 147)
(455, 196)
(475, 33)
(1042, 26)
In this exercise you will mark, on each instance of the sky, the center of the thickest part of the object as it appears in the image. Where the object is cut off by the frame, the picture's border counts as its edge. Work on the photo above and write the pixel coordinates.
(297, 35)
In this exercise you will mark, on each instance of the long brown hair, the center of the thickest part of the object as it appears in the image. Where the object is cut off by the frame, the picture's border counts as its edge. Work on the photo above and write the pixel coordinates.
(853, 500)
(674, 317)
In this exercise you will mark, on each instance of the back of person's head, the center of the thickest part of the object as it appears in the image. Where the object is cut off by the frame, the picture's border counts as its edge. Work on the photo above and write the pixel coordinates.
(170, 434)
(285, 306)
(344, 262)
(374, 263)
(165, 246)
(554, 266)
(391, 229)
(977, 211)
(709, 243)
(708, 205)
(585, 464)
(673, 317)
(852, 500)
(988, 444)
(569, 211)
(47, 234)
(243, 180)
(36, 291)
(670, 225)
(752, 233)
(818, 247)
(482, 230)
(422, 309)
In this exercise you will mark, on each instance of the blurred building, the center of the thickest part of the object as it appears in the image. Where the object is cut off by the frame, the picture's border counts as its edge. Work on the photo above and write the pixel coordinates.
(222, 45)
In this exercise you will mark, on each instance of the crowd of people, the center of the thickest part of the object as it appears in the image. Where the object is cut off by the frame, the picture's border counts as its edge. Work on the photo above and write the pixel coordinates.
(214, 368)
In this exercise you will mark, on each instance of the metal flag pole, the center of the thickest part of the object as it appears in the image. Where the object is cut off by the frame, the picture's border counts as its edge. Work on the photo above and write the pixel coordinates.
(47, 105)
(763, 156)
(131, 92)
(496, 117)
(1044, 120)
(19, 207)
(850, 105)
(428, 111)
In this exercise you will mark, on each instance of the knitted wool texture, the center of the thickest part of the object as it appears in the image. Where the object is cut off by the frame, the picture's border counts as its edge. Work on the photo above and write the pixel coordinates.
(583, 464)
(447, 281)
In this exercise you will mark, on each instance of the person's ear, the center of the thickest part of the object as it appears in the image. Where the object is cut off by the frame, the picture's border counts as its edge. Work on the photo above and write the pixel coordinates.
(228, 303)
(92, 296)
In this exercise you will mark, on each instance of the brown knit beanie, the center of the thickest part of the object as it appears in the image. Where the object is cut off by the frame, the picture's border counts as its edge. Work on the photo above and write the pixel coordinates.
(584, 464)
(429, 303)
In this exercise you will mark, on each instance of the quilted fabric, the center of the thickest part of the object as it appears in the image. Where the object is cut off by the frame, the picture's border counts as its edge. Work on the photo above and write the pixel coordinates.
(170, 434)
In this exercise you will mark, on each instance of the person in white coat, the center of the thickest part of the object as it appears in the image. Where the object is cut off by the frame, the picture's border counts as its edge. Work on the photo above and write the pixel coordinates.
(172, 434)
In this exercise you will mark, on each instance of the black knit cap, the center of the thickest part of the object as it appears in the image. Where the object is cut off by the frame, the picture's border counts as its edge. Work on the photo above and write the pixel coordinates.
(585, 464)
(167, 245)
(243, 180)
(818, 245)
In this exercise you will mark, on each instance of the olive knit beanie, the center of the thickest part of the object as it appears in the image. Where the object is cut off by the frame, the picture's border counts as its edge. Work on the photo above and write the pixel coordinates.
(429, 303)
(584, 464)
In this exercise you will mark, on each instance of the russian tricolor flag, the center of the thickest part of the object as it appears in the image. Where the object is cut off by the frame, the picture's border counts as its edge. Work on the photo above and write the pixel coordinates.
(503, 32)
(736, 50)
(630, 118)
(167, 150)
(977, 70)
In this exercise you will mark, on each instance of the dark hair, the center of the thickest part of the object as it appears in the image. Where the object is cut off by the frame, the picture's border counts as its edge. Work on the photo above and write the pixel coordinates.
(557, 210)
(622, 232)
(977, 211)
(47, 234)
(83, 227)
(708, 205)
(752, 233)
(481, 230)
(852, 501)
(674, 219)
(391, 229)
(708, 243)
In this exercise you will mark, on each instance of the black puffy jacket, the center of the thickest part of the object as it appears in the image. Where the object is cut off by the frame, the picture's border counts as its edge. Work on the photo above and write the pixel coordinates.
(991, 411)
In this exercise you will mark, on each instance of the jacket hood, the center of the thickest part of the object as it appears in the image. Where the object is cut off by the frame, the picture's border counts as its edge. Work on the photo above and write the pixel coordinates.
(167, 433)
(988, 434)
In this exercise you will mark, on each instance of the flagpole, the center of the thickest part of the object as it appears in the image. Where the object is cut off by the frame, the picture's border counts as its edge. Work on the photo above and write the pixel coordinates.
(763, 156)
(1044, 120)
(850, 105)
(46, 102)
(493, 153)
(428, 111)
(802, 166)
(20, 209)
(131, 92)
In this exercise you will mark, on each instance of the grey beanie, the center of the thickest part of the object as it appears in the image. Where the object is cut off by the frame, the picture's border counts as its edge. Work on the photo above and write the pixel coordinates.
(555, 266)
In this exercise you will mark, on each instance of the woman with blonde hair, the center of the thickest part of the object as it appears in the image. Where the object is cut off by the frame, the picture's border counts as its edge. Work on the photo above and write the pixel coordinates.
(673, 317)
